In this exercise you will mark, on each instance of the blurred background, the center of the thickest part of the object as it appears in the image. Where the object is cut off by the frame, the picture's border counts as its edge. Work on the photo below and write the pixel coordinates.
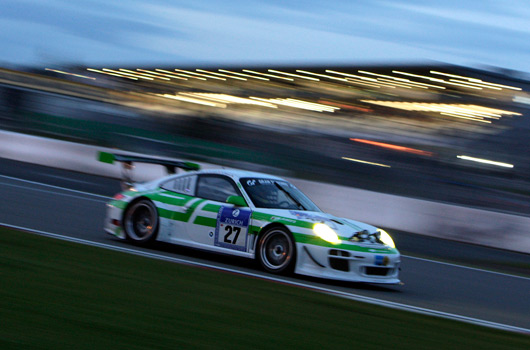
(414, 98)
(423, 103)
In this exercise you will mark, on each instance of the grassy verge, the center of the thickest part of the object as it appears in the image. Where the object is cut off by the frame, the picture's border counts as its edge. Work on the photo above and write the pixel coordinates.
(60, 295)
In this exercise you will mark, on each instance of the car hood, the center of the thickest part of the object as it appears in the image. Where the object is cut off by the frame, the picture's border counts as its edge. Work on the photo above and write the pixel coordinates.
(345, 228)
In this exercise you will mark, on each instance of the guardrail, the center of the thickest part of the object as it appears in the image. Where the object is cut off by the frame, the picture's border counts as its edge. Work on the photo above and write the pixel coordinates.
(489, 228)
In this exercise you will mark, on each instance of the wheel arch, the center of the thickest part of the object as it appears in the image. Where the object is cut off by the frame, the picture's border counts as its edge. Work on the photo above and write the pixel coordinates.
(290, 268)
(132, 203)
(268, 227)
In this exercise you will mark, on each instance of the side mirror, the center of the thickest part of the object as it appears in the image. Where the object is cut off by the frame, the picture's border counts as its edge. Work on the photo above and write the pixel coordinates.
(238, 201)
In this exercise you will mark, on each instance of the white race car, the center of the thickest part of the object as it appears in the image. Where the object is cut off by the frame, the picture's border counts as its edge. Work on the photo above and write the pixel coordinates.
(252, 215)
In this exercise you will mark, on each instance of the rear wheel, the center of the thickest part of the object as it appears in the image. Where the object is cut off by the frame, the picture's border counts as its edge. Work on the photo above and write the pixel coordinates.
(141, 221)
(276, 251)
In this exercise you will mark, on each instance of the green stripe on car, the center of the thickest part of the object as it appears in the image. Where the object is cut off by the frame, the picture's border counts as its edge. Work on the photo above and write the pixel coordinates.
(204, 221)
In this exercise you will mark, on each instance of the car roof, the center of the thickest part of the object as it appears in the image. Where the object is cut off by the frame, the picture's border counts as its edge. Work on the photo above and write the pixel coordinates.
(235, 174)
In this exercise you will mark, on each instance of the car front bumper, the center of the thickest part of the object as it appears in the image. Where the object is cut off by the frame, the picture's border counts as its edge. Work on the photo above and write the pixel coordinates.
(346, 265)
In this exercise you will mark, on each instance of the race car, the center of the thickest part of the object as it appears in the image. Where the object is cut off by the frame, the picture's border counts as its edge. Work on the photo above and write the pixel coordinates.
(252, 215)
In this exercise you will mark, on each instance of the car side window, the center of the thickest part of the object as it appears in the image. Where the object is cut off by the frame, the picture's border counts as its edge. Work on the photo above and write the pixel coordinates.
(183, 184)
(216, 187)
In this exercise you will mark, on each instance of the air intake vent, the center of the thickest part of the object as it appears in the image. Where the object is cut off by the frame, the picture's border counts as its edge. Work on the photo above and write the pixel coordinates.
(377, 271)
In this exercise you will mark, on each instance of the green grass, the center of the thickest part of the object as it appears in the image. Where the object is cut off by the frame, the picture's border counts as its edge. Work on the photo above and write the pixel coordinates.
(61, 295)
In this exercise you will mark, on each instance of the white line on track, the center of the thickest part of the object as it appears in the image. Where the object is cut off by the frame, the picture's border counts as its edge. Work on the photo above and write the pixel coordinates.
(52, 186)
(466, 267)
(341, 294)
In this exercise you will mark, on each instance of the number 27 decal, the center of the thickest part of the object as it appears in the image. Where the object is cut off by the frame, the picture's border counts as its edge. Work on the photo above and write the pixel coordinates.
(229, 230)
(232, 228)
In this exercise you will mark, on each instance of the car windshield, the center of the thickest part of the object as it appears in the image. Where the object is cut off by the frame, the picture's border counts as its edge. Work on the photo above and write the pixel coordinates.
(276, 194)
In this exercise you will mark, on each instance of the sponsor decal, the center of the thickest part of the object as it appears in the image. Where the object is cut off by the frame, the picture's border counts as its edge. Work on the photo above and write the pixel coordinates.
(302, 215)
(279, 218)
(232, 228)
(381, 260)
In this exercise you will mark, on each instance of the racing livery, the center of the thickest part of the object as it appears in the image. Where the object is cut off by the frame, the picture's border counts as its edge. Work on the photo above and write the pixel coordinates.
(252, 215)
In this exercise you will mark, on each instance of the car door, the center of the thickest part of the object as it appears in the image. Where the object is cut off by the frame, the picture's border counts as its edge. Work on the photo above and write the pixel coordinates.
(177, 200)
(215, 223)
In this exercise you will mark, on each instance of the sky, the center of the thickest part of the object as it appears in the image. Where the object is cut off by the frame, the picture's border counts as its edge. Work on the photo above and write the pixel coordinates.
(96, 33)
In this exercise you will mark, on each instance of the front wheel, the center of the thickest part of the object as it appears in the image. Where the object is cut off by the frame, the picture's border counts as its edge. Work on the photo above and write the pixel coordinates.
(141, 221)
(276, 251)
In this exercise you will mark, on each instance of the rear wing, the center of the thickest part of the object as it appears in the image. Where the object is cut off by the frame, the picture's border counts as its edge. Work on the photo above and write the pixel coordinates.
(128, 164)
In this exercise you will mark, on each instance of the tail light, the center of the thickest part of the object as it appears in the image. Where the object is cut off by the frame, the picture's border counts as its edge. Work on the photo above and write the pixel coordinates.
(118, 197)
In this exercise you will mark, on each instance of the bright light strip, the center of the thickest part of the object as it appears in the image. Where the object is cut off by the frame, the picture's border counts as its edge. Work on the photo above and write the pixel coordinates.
(230, 99)
(314, 104)
(416, 75)
(458, 84)
(293, 75)
(75, 75)
(199, 74)
(175, 75)
(160, 74)
(365, 162)
(300, 105)
(395, 83)
(321, 75)
(463, 117)
(107, 73)
(143, 74)
(382, 75)
(486, 161)
(365, 83)
(350, 75)
(191, 76)
(502, 86)
(326, 233)
(389, 83)
(243, 75)
(267, 75)
(471, 112)
(451, 109)
(192, 100)
(428, 85)
(407, 83)
(220, 74)
(476, 84)
(436, 80)
(343, 105)
(493, 110)
(378, 83)
(127, 74)
(403, 81)
(317, 107)
(476, 80)
(381, 84)
(394, 147)
(451, 75)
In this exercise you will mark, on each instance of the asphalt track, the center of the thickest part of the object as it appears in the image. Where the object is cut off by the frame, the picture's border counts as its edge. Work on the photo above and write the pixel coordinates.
(73, 204)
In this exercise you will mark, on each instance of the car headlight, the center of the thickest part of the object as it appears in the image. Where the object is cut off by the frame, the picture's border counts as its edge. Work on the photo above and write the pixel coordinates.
(326, 233)
(385, 238)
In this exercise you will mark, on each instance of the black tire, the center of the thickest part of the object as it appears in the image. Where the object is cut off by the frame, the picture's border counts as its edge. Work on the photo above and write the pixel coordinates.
(140, 221)
(277, 251)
